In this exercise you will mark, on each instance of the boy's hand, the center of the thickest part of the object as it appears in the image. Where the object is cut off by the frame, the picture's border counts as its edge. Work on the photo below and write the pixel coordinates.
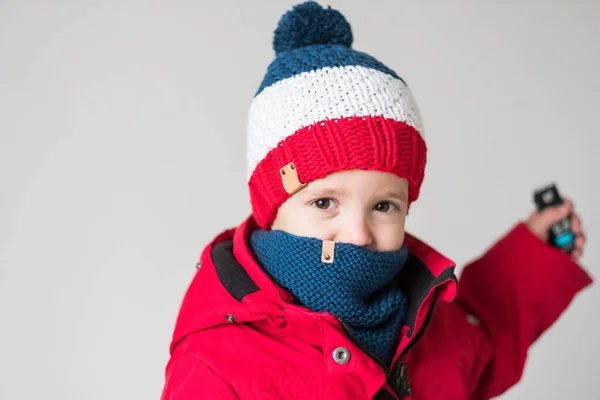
(539, 222)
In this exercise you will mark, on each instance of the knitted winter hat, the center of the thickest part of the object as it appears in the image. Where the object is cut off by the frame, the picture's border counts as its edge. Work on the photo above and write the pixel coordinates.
(324, 107)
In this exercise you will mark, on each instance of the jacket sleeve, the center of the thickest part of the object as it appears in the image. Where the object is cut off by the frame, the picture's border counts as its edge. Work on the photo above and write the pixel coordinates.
(516, 290)
(188, 378)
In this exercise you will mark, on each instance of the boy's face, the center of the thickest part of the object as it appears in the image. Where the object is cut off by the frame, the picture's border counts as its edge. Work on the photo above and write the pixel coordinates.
(365, 208)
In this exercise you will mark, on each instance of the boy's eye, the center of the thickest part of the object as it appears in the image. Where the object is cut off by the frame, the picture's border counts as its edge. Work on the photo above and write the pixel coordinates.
(385, 206)
(324, 204)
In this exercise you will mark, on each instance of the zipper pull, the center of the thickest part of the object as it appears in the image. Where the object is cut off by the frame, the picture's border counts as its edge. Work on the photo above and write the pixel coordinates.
(400, 380)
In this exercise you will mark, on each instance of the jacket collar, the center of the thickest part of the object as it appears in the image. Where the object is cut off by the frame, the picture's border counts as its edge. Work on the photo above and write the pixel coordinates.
(231, 286)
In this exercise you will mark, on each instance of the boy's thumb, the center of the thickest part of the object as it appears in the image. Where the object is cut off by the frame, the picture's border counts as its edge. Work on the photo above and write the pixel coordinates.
(551, 215)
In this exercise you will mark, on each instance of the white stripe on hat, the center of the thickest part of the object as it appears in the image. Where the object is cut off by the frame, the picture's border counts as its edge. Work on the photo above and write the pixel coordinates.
(327, 93)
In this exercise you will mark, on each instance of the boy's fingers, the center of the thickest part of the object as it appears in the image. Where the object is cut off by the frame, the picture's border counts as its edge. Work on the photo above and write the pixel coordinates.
(569, 204)
(580, 242)
(575, 223)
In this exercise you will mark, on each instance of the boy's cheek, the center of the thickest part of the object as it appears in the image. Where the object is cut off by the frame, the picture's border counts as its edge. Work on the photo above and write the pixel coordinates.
(315, 229)
(389, 238)
(299, 222)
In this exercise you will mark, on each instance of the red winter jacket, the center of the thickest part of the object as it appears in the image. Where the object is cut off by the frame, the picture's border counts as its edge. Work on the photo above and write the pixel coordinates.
(240, 336)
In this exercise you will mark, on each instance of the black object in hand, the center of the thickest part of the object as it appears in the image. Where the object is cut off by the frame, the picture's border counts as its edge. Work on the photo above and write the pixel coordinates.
(560, 233)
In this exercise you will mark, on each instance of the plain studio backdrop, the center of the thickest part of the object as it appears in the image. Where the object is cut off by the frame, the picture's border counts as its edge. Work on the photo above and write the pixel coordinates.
(122, 153)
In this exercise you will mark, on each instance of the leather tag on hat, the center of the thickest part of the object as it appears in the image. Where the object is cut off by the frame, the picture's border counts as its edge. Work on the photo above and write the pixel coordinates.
(328, 251)
(289, 179)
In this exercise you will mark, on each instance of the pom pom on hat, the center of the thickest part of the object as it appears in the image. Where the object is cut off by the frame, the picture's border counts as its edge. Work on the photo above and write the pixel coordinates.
(310, 24)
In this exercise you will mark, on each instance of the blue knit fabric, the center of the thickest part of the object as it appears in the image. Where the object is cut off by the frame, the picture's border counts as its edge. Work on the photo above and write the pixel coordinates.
(311, 37)
(359, 287)
(315, 57)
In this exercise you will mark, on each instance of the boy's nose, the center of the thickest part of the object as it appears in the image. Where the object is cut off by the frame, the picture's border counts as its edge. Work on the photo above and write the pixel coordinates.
(356, 232)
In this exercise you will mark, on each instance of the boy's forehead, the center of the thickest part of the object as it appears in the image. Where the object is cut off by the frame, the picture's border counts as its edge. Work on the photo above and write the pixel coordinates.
(351, 181)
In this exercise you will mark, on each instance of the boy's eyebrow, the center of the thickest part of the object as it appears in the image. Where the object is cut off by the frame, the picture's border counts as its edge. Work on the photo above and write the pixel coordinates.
(396, 194)
(338, 192)
(323, 192)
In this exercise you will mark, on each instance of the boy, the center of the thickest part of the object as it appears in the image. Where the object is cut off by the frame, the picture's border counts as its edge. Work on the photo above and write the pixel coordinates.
(321, 294)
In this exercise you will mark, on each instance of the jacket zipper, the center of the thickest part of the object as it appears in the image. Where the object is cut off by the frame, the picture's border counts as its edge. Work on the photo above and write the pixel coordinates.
(402, 382)
(436, 297)
(399, 370)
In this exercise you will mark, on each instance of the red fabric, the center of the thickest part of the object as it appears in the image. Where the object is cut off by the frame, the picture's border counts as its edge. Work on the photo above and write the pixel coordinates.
(474, 348)
(369, 143)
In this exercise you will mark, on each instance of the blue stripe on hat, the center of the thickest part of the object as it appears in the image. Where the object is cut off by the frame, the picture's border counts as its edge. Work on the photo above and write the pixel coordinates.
(315, 57)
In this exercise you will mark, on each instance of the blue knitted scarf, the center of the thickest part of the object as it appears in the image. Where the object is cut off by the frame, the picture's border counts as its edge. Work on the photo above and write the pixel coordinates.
(359, 287)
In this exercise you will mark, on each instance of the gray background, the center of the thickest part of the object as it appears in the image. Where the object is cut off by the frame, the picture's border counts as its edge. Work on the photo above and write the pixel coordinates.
(122, 152)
